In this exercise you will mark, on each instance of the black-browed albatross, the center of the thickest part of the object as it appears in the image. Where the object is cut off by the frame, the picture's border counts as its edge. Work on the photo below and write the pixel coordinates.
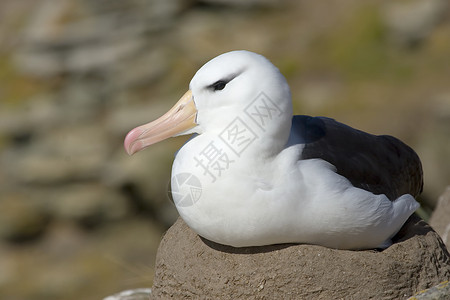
(255, 175)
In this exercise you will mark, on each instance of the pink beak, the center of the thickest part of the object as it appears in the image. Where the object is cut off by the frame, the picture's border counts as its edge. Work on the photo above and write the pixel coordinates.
(180, 118)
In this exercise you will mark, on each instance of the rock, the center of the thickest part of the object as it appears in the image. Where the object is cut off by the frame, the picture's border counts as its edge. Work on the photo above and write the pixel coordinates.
(136, 294)
(141, 69)
(81, 101)
(63, 154)
(98, 57)
(438, 292)
(72, 263)
(40, 114)
(244, 4)
(21, 218)
(9, 269)
(409, 22)
(131, 114)
(82, 36)
(318, 93)
(87, 204)
(440, 220)
(433, 148)
(145, 178)
(188, 266)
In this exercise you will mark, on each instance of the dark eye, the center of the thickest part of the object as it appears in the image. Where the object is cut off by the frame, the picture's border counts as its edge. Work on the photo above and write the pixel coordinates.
(219, 85)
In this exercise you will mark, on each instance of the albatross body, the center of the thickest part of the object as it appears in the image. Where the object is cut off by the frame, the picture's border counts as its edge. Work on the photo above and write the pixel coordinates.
(255, 175)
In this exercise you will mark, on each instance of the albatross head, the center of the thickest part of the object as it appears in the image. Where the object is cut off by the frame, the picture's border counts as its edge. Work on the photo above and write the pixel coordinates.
(220, 90)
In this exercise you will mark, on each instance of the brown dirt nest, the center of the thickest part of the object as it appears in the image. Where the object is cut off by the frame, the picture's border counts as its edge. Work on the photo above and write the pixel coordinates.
(190, 267)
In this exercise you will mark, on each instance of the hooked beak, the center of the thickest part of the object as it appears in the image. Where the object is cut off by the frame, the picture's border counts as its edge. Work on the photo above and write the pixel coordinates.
(180, 118)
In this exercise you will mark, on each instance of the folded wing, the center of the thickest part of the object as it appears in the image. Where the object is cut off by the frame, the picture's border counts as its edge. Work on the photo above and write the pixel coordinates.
(379, 164)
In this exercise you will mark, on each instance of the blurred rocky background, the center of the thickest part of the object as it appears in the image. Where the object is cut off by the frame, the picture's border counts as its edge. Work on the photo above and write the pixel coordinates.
(79, 219)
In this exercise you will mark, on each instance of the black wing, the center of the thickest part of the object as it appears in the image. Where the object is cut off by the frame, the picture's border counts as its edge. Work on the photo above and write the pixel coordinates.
(379, 164)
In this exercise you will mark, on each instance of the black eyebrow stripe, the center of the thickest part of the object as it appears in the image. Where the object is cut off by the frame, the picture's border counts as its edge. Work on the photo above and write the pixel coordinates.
(227, 79)
(212, 86)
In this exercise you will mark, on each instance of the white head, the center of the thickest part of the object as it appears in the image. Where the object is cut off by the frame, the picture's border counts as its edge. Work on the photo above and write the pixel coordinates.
(223, 87)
